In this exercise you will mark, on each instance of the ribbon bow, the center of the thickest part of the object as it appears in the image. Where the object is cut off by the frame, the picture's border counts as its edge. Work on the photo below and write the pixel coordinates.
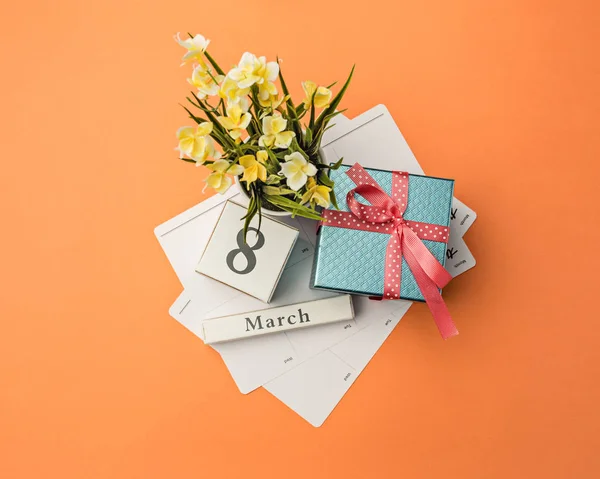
(385, 215)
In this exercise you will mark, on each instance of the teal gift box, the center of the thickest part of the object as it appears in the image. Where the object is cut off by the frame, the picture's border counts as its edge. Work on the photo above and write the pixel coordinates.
(353, 261)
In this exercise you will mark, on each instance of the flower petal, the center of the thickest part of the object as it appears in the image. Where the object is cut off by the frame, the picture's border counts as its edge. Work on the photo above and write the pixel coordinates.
(272, 71)
(278, 124)
(205, 128)
(306, 196)
(296, 158)
(198, 148)
(227, 122)
(225, 184)
(289, 168)
(321, 196)
(267, 125)
(322, 97)
(310, 169)
(250, 174)
(247, 161)
(245, 121)
(186, 146)
(184, 132)
(284, 139)
(297, 181)
(248, 59)
(262, 172)
(235, 133)
(235, 170)
(262, 156)
(220, 166)
(214, 180)
(266, 141)
(248, 81)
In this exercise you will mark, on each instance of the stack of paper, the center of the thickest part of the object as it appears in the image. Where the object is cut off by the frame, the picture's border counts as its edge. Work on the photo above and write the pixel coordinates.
(310, 369)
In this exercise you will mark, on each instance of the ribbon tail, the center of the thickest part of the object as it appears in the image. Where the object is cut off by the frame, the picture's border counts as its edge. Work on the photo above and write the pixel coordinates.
(429, 289)
(428, 263)
(392, 272)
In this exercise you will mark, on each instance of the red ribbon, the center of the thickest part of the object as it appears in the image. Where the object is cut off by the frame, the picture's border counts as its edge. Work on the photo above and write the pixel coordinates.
(385, 215)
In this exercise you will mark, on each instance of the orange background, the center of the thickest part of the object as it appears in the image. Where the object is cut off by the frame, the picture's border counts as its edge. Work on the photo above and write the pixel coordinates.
(96, 380)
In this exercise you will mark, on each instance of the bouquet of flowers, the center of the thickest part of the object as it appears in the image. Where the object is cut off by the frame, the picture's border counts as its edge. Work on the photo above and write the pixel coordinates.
(246, 127)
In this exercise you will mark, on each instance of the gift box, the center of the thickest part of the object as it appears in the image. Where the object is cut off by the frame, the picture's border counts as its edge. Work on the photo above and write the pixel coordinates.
(359, 252)
(253, 266)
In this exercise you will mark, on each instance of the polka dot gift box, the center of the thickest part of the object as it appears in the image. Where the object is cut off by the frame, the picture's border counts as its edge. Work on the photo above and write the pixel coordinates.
(388, 239)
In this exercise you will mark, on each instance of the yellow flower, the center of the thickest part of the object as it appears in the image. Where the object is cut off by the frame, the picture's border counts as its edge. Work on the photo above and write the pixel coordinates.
(237, 118)
(274, 134)
(296, 170)
(252, 70)
(195, 47)
(271, 102)
(266, 90)
(218, 179)
(254, 168)
(316, 194)
(322, 95)
(209, 152)
(196, 142)
(231, 92)
(203, 81)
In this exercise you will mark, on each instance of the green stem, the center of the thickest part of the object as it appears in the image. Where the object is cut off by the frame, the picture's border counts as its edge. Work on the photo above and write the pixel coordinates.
(214, 63)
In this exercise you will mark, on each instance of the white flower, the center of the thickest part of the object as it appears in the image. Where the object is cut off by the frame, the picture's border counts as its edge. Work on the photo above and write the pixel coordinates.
(297, 170)
(195, 47)
(252, 70)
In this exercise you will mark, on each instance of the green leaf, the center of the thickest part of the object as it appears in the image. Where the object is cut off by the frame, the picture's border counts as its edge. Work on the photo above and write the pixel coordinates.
(293, 207)
(295, 146)
(273, 164)
(316, 143)
(291, 109)
(258, 206)
(252, 210)
(189, 160)
(295, 123)
(246, 147)
(218, 127)
(273, 180)
(197, 119)
(192, 102)
(284, 87)
(308, 136)
(222, 106)
(214, 64)
(277, 190)
(337, 164)
(311, 123)
(333, 199)
(324, 179)
(254, 100)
